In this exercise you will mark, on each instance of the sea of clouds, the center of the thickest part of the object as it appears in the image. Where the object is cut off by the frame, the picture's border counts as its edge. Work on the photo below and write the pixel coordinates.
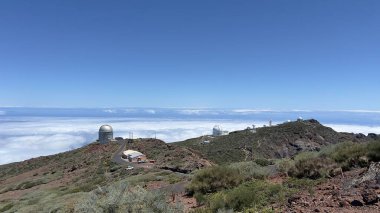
(23, 137)
(26, 138)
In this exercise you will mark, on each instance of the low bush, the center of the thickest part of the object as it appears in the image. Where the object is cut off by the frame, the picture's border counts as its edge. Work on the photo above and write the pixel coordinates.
(250, 170)
(313, 167)
(255, 194)
(29, 184)
(173, 178)
(214, 179)
(303, 184)
(285, 165)
(263, 162)
(373, 153)
(120, 197)
(6, 207)
(115, 168)
(331, 160)
(200, 198)
(350, 155)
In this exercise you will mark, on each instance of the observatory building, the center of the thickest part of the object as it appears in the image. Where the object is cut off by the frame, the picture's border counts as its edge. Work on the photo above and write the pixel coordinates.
(252, 129)
(217, 131)
(105, 134)
(134, 156)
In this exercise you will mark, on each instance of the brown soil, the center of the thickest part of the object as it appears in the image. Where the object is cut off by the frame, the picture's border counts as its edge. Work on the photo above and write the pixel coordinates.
(336, 195)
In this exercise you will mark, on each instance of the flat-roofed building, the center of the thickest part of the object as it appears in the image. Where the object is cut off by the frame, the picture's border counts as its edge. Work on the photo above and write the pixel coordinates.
(134, 156)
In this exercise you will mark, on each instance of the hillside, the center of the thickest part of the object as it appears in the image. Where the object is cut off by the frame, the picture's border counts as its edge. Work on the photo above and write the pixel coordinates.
(93, 179)
(168, 156)
(280, 141)
(59, 181)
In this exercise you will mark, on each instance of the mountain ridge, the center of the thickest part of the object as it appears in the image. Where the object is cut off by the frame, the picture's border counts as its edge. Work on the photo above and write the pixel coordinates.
(279, 141)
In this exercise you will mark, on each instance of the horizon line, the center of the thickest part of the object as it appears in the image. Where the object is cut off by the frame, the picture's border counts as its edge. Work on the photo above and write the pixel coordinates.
(234, 109)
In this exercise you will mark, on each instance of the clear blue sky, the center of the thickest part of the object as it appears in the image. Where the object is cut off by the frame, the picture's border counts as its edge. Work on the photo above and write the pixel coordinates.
(225, 54)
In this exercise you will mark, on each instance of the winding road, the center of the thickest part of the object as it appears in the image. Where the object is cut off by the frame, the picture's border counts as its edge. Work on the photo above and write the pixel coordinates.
(117, 156)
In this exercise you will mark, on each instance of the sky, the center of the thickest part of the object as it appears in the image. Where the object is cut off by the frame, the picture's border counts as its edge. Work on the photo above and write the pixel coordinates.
(321, 55)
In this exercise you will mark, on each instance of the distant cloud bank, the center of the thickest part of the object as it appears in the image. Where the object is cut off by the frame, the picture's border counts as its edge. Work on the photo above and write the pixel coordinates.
(21, 140)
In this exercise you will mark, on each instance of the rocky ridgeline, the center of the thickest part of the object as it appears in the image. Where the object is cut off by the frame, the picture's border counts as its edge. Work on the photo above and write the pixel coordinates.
(280, 141)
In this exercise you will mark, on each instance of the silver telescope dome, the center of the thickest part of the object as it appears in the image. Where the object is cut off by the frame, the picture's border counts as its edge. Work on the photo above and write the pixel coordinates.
(105, 128)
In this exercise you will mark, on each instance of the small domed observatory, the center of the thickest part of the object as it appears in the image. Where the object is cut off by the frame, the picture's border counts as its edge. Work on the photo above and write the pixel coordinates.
(216, 131)
(105, 134)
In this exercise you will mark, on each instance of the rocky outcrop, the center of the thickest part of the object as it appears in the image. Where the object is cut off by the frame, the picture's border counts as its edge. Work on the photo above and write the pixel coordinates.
(371, 177)
(370, 196)
(373, 136)
(354, 191)
(280, 141)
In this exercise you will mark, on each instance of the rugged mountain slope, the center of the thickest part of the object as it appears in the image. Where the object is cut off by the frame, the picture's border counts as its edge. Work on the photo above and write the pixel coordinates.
(167, 156)
(66, 177)
(354, 191)
(57, 183)
(284, 140)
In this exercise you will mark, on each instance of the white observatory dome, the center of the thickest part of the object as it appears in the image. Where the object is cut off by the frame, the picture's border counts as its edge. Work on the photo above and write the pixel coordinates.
(217, 127)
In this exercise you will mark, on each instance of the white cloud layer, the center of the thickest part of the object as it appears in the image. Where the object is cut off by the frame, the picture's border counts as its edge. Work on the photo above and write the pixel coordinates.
(110, 111)
(355, 128)
(151, 111)
(22, 139)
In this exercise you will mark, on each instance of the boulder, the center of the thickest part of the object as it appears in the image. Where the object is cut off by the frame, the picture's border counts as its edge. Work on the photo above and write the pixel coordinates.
(373, 136)
(360, 136)
(372, 175)
(356, 203)
(370, 197)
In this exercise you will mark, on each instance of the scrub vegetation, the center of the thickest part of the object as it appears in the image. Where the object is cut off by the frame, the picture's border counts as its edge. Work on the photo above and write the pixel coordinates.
(267, 171)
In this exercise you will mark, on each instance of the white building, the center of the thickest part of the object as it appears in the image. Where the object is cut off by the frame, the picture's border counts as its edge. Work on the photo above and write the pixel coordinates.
(133, 156)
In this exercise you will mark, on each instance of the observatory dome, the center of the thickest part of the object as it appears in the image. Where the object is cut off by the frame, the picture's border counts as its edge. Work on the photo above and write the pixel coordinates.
(217, 127)
(217, 131)
(105, 134)
(105, 128)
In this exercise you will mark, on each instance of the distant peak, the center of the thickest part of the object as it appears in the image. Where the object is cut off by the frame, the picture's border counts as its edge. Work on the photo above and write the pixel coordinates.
(313, 121)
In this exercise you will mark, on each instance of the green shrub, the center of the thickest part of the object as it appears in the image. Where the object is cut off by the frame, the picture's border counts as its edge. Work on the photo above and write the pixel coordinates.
(115, 168)
(120, 197)
(254, 194)
(285, 165)
(173, 178)
(306, 155)
(373, 153)
(295, 184)
(263, 162)
(350, 155)
(200, 198)
(29, 184)
(214, 179)
(6, 207)
(309, 165)
(250, 170)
